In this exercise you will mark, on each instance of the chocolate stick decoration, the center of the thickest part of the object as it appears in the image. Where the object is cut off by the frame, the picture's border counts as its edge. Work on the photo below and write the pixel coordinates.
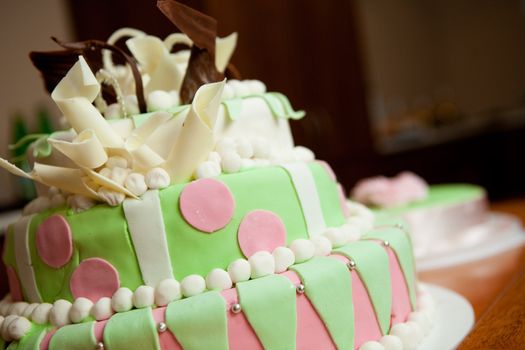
(202, 30)
(91, 45)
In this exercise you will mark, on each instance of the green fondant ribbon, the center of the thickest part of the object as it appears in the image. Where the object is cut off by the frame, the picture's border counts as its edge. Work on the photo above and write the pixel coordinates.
(131, 330)
(328, 286)
(77, 336)
(199, 322)
(269, 304)
(287, 106)
(372, 265)
(32, 340)
(402, 246)
(233, 107)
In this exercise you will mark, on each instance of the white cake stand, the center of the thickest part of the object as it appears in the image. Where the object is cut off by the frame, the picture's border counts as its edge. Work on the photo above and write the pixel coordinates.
(453, 320)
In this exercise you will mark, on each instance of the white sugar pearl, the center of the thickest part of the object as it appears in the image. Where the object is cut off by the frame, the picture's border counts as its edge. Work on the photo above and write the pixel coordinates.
(175, 98)
(261, 148)
(80, 309)
(228, 93)
(303, 250)
(371, 345)
(119, 175)
(350, 233)
(225, 145)
(19, 327)
(167, 291)
(262, 264)
(80, 203)
(391, 342)
(303, 154)
(239, 270)
(41, 314)
(192, 285)
(284, 258)
(102, 309)
(406, 334)
(323, 246)
(238, 87)
(159, 100)
(422, 319)
(58, 200)
(336, 236)
(231, 162)
(51, 191)
(4, 330)
(136, 184)
(144, 296)
(59, 315)
(29, 310)
(214, 157)
(37, 205)
(362, 224)
(117, 161)
(256, 86)
(218, 279)
(17, 308)
(244, 148)
(112, 198)
(157, 178)
(417, 331)
(207, 169)
(122, 300)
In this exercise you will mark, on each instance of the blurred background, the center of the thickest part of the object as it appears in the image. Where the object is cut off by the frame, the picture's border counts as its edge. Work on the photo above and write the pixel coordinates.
(437, 87)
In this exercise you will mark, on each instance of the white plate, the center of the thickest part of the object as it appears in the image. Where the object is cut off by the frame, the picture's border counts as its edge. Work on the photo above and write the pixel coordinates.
(501, 232)
(453, 320)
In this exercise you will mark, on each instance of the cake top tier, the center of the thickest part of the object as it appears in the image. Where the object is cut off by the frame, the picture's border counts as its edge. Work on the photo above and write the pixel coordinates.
(174, 116)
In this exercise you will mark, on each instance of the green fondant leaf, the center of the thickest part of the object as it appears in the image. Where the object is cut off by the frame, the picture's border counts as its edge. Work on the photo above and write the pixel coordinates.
(269, 304)
(275, 105)
(134, 329)
(233, 107)
(402, 246)
(76, 336)
(328, 286)
(372, 265)
(42, 148)
(287, 106)
(199, 322)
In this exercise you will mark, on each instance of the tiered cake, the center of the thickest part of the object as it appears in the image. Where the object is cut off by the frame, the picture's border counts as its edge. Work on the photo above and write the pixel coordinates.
(196, 223)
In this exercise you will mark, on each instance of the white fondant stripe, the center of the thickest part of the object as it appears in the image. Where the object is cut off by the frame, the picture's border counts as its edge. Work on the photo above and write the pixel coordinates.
(26, 274)
(306, 189)
(146, 227)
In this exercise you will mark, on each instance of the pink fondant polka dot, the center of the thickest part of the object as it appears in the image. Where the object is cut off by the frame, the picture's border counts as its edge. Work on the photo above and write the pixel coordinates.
(328, 169)
(342, 201)
(54, 243)
(94, 278)
(260, 230)
(207, 204)
(14, 284)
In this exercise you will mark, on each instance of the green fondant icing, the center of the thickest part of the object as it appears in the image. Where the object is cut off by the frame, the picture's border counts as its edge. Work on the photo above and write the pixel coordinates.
(328, 286)
(32, 340)
(439, 195)
(328, 195)
(9, 250)
(402, 246)
(269, 304)
(134, 329)
(75, 337)
(199, 322)
(287, 106)
(2, 344)
(275, 105)
(139, 119)
(13, 346)
(373, 268)
(233, 107)
(251, 190)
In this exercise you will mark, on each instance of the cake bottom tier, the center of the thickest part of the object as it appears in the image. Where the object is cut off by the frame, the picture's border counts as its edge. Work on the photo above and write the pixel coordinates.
(341, 301)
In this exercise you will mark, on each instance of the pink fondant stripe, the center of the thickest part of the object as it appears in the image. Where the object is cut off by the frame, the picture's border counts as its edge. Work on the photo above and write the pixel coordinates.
(44, 344)
(365, 318)
(311, 331)
(167, 339)
(240, 332)
(401, 307)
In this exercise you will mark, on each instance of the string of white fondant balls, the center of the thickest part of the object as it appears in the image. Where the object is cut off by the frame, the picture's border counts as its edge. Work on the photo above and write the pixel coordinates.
(260, 264)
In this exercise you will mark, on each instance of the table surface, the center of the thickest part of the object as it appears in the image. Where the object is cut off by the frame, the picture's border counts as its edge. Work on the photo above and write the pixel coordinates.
(495, 287)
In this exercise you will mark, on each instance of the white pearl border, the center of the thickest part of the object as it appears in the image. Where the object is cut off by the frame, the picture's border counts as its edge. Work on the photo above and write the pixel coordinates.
(260, 264)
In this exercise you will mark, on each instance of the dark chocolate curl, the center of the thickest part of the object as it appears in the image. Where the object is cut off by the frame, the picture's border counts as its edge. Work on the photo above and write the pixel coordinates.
(200, 28)
(96, 45)
(198, 73)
